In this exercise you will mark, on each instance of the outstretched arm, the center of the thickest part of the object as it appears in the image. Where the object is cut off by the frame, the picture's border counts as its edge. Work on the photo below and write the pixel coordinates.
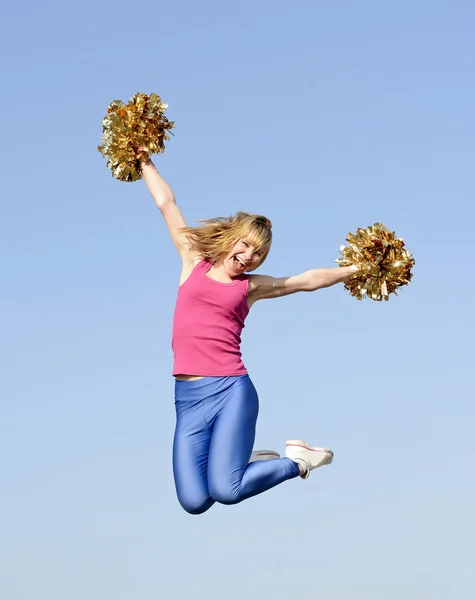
(164, 198)
(264, 286)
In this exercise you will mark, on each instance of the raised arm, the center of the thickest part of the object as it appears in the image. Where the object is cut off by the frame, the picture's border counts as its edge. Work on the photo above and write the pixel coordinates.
(264, 286)
(164, 198)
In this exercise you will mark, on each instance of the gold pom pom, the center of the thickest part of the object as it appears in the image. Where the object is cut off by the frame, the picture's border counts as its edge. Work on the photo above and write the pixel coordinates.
(383, 263)
(128, 130)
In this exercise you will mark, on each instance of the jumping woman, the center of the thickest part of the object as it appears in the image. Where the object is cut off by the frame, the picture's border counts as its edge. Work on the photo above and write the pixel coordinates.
(216, 402)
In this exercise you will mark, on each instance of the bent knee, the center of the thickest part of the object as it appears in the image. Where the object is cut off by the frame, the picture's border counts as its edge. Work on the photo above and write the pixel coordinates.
(196, 506)
(197, 509)
(225, 494)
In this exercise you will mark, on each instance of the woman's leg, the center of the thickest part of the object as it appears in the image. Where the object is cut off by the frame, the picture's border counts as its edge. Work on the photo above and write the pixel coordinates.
(230, 478)
(190, 451)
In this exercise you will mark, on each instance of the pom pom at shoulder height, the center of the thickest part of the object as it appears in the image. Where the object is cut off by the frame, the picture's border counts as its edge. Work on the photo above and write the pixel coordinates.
(384, 264)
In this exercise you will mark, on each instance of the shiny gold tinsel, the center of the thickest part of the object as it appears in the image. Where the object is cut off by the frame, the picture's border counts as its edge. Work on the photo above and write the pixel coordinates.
(383, 262)
(126, 128)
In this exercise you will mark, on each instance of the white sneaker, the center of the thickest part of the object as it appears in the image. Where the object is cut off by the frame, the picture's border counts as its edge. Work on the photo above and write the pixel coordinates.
(308, 456)
(263, 455)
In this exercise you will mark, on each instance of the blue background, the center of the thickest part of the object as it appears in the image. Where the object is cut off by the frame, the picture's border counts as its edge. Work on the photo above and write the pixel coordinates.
(325, 117)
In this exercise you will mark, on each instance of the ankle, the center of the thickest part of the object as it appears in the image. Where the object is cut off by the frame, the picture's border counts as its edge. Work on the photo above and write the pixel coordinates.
(302, 465)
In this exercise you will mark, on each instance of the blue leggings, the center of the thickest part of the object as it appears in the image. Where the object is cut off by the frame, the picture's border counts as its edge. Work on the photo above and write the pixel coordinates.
(214, 436)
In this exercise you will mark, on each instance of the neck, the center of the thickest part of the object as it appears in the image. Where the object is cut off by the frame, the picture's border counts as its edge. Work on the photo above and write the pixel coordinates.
(218, 273)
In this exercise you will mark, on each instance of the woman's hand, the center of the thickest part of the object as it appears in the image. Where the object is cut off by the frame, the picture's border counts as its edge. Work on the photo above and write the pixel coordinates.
(142, 155)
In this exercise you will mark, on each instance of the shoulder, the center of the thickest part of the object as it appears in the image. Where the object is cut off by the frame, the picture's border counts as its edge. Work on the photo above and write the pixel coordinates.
(260, 283)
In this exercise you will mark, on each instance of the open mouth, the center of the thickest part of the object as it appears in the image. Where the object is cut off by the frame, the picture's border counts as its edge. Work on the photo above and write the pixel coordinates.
(238, 262)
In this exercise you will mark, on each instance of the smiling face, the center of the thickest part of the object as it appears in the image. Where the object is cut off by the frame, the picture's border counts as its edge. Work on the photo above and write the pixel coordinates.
(246, 255)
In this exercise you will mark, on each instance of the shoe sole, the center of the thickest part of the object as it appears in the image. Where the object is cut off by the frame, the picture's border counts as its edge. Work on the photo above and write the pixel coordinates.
(325, 451)
(300, 444)
(265, 455)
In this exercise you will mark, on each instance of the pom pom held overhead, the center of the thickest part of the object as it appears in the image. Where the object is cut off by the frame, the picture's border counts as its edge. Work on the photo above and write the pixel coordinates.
(129, 130)
(383, 262)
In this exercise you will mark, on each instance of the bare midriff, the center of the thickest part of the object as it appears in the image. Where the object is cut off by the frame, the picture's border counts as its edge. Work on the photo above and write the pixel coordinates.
(188, 377)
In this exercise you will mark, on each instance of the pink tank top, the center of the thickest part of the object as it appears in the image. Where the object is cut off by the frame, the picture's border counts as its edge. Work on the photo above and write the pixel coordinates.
(207, 325)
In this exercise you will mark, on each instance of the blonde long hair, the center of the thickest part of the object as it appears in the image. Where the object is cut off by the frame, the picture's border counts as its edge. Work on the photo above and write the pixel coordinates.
(216, 237)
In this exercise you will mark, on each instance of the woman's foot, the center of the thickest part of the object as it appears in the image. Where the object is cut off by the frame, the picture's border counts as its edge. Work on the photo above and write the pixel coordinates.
(307, 457)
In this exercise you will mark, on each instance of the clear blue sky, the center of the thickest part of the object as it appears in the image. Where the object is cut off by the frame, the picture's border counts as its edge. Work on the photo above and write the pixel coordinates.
(325, 117)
